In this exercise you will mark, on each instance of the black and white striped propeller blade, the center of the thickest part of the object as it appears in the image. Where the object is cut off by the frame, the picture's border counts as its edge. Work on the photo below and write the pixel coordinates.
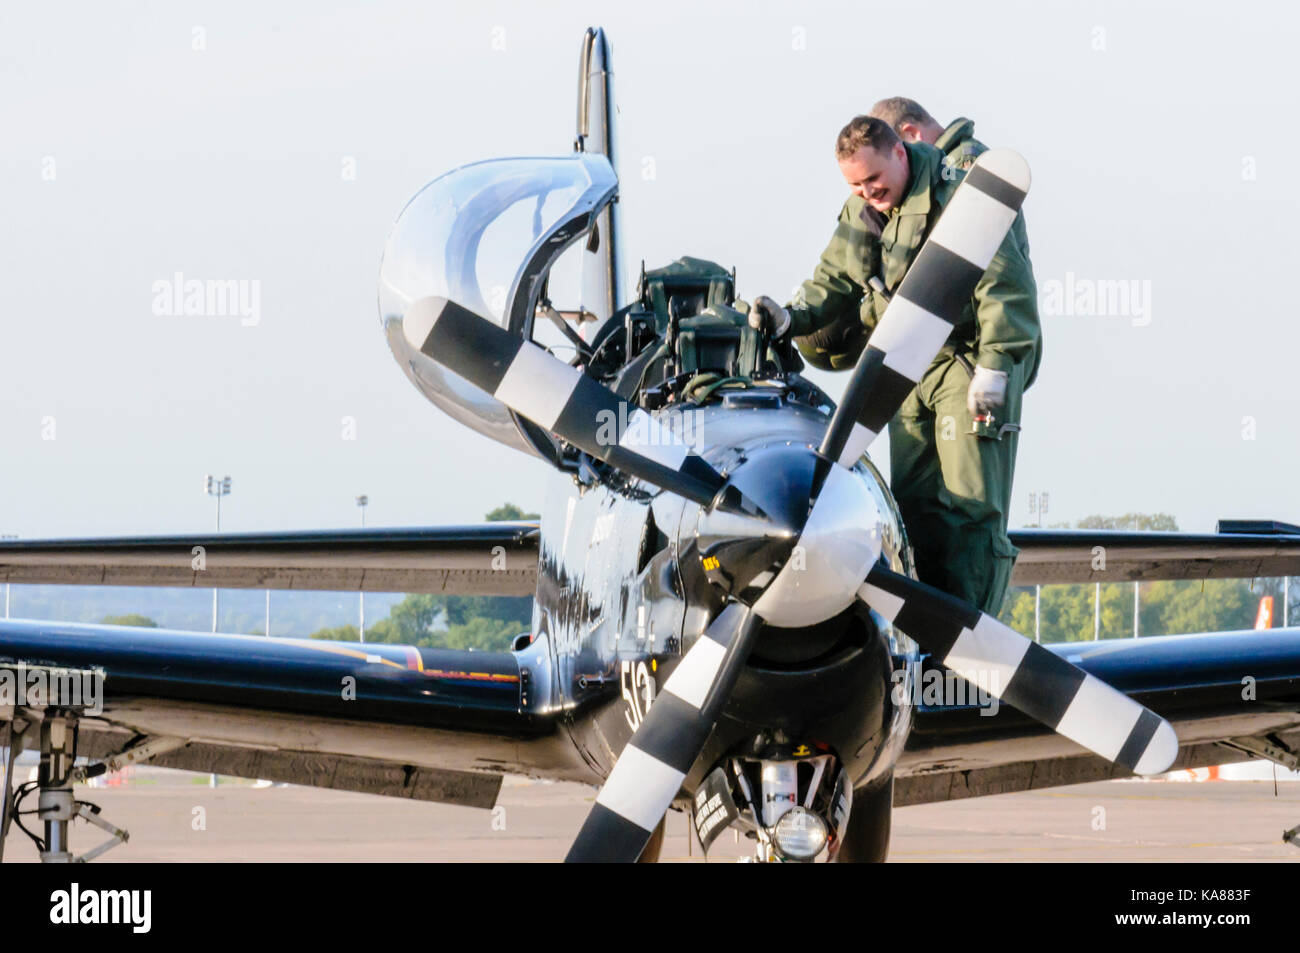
(929, 302)
(650, 771)
(1023, 674)
(537, 385)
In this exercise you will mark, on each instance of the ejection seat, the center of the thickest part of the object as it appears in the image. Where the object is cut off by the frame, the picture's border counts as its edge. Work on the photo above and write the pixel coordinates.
(686, 331)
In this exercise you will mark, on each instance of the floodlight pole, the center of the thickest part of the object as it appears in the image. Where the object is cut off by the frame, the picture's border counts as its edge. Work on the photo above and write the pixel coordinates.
(362, 502)
(1135, 608)
(8, 536)
(1096, 615)
(1038, 596)
(1037, 509)
(218, 488)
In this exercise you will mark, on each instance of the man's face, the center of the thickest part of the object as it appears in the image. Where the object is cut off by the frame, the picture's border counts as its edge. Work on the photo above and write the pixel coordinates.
(880, 178)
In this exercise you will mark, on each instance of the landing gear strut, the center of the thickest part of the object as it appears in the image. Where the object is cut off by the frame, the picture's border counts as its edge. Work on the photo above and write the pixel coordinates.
(54, 780)
(56, 806)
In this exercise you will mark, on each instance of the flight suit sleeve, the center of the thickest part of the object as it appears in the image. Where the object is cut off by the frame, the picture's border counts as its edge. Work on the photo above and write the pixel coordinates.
(833, 293)
(1006, 305)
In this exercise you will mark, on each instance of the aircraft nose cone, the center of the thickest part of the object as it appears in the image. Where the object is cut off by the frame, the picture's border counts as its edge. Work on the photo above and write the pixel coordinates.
(743, 553)
(839, 543)
(780, 480)
(805, 561)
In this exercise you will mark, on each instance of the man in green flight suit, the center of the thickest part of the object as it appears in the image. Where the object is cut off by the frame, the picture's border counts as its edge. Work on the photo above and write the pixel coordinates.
(837, 344)
(951, 477)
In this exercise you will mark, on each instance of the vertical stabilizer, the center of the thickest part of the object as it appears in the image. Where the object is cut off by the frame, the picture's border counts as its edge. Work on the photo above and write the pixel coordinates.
(603, 290)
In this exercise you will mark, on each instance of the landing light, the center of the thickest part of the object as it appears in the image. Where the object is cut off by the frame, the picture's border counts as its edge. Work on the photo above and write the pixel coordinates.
(799, 834)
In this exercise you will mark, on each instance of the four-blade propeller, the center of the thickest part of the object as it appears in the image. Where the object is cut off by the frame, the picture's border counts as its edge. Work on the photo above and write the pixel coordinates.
(842, 556)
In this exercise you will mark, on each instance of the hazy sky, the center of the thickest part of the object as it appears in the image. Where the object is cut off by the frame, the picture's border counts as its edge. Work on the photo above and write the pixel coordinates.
(1161, 139)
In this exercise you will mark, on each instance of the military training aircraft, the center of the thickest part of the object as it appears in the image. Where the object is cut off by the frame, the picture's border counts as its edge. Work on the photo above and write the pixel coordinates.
(727, 619)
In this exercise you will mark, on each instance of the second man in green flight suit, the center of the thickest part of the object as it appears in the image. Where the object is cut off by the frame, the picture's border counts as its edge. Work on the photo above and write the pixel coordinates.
(910, 120)
(951, 478)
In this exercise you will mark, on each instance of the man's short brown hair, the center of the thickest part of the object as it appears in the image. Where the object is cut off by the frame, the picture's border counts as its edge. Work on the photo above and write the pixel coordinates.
(897, 110)
(864, 131)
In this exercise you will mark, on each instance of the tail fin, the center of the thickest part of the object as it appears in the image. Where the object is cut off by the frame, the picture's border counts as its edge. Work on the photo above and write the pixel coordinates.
(603, 290)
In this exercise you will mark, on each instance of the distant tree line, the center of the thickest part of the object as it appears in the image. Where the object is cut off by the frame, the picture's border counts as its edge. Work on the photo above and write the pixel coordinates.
(1066, 613)
(131, 618)
(487, 623)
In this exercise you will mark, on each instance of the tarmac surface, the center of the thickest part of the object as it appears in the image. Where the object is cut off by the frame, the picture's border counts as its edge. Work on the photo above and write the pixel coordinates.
(176, 816)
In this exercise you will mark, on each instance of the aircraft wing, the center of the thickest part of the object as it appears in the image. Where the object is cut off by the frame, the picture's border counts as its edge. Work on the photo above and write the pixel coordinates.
(1239, 549)
(501, 558)
(433, 724)
(1226, 695)
(494, 559)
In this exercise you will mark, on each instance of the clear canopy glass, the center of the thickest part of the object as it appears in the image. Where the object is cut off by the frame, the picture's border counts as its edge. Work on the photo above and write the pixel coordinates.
(484, 235)
(468, 234)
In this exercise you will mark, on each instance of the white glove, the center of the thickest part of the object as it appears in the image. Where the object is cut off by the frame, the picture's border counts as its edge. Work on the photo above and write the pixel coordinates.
(988, 391)
(765, 313)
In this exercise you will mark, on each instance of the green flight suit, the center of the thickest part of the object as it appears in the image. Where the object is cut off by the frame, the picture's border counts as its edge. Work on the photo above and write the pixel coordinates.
(838, 344)
(953, 487)
(958, 144)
